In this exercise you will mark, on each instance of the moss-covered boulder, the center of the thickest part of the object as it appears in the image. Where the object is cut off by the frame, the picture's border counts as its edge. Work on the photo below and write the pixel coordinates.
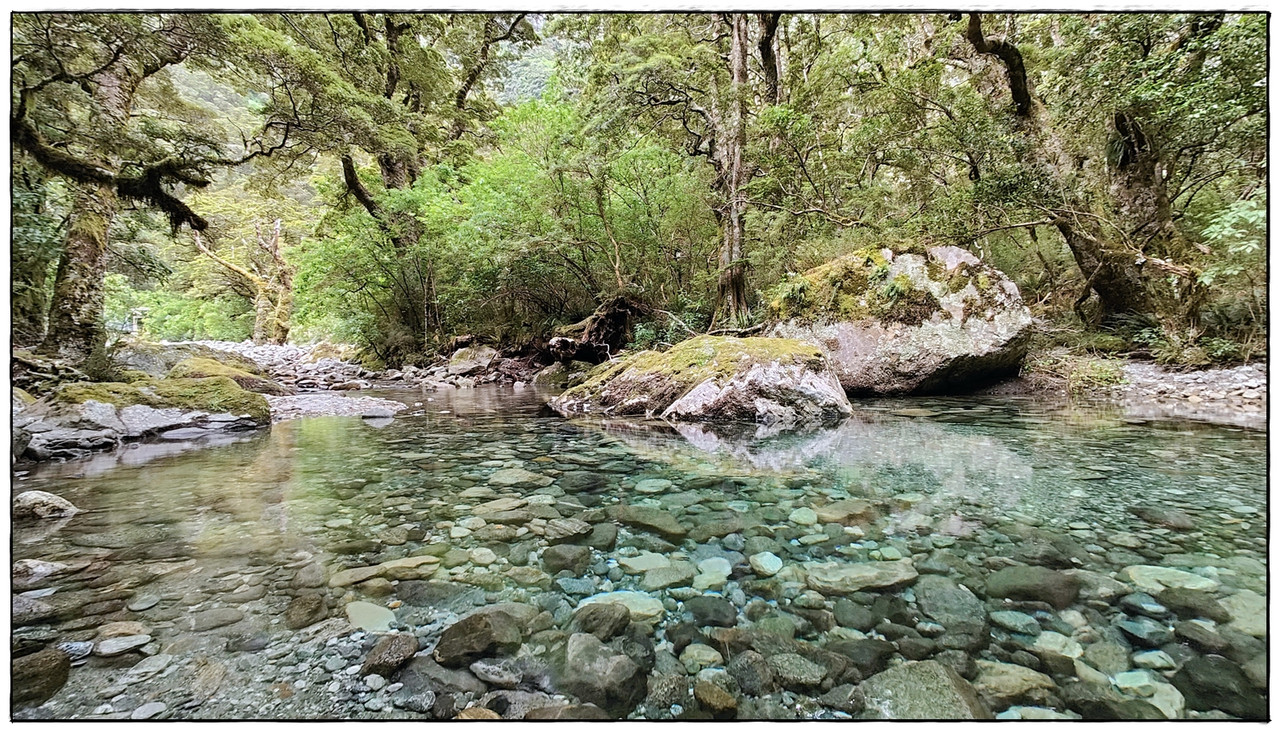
(715, 379)
(84, 417)
(199, 368)
(897, 323)
(563, 375)
(158, 359)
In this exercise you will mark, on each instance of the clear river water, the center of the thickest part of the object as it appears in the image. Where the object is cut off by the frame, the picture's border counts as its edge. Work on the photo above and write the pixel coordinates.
(205, 551)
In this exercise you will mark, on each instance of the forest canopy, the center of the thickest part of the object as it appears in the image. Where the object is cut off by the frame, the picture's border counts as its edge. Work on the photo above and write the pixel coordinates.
(397, 180)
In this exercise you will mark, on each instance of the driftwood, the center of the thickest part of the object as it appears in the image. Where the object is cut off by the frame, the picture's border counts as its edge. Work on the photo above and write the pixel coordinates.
(600, 335)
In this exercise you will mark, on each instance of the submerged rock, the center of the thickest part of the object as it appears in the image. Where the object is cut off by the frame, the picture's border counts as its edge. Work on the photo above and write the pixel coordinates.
(598, 674)
(1034, 583)
(389, 654)
(922, 690)
(767, 380)
(1213, 682)
(894, 323)
(40, 505)
(477, 636)
(839, 578)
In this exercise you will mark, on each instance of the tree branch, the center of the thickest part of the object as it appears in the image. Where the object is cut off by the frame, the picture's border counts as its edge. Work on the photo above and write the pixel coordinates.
(1010, 57)
(358, 189)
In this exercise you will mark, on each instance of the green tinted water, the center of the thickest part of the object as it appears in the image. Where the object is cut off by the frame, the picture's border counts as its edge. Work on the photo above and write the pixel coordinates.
(238, 525)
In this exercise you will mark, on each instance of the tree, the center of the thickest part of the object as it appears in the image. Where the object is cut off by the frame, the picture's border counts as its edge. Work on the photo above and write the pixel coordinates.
(689, 75)
(81, 84)
(1128, 245)
(402, 90)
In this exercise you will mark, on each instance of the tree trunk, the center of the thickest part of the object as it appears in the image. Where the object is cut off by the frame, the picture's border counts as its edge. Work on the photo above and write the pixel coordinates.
(75, 313)
(75, 319)
(731, 289)
(1114, 276)
(263, 314)
(770, 62)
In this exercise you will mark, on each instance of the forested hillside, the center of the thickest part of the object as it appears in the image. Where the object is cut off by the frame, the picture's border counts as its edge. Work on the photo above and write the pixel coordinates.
(397, 180)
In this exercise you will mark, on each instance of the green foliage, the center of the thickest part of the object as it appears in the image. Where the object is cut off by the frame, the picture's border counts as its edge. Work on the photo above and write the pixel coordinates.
(575, 167)
(1240, 233)
(172, 316)
(38, 205)
(1082, 376)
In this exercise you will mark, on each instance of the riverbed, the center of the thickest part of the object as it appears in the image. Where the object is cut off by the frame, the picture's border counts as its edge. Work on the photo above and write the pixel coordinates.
(738, 552)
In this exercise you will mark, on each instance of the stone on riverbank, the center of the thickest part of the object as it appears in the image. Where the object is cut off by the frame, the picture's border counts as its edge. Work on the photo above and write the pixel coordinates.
(766, 380)
(84, 417)
(200, 368)
(894, 323)
(306, 609)
(36, 677)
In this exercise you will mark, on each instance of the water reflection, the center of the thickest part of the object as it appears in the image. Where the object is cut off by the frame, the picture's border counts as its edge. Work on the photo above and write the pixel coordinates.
(243, 524)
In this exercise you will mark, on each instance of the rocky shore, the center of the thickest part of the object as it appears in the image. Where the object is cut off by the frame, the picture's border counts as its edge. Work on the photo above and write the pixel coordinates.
(1236, 395)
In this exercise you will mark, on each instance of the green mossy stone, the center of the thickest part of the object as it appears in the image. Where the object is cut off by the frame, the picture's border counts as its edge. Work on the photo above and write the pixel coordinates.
(213, 394)
(199, 368)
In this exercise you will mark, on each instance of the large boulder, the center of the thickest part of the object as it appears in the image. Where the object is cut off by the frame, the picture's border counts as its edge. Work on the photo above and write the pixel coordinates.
(158, 359)
(84, 417)
(200, 368)
(471, 360)
(773, 381)
(898, 323)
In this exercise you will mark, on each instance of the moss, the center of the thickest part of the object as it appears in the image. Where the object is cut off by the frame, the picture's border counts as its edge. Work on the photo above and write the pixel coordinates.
(157, 359)
(211, 394)
(23, 396)
(215, 394)
(130, 375)
(197, 368)
(902, 302)
(837, 290)
(692, 362)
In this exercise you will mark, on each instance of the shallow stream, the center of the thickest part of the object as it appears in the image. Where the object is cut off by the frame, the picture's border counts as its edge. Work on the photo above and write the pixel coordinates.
(206, 548)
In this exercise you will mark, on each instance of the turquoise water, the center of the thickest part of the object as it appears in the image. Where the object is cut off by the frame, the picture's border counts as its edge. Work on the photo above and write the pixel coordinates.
(232, 525)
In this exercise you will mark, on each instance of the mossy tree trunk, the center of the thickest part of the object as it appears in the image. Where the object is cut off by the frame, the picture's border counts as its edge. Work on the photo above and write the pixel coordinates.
(75, 315)
(75, 318)
(731, 288)
(271, 281)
